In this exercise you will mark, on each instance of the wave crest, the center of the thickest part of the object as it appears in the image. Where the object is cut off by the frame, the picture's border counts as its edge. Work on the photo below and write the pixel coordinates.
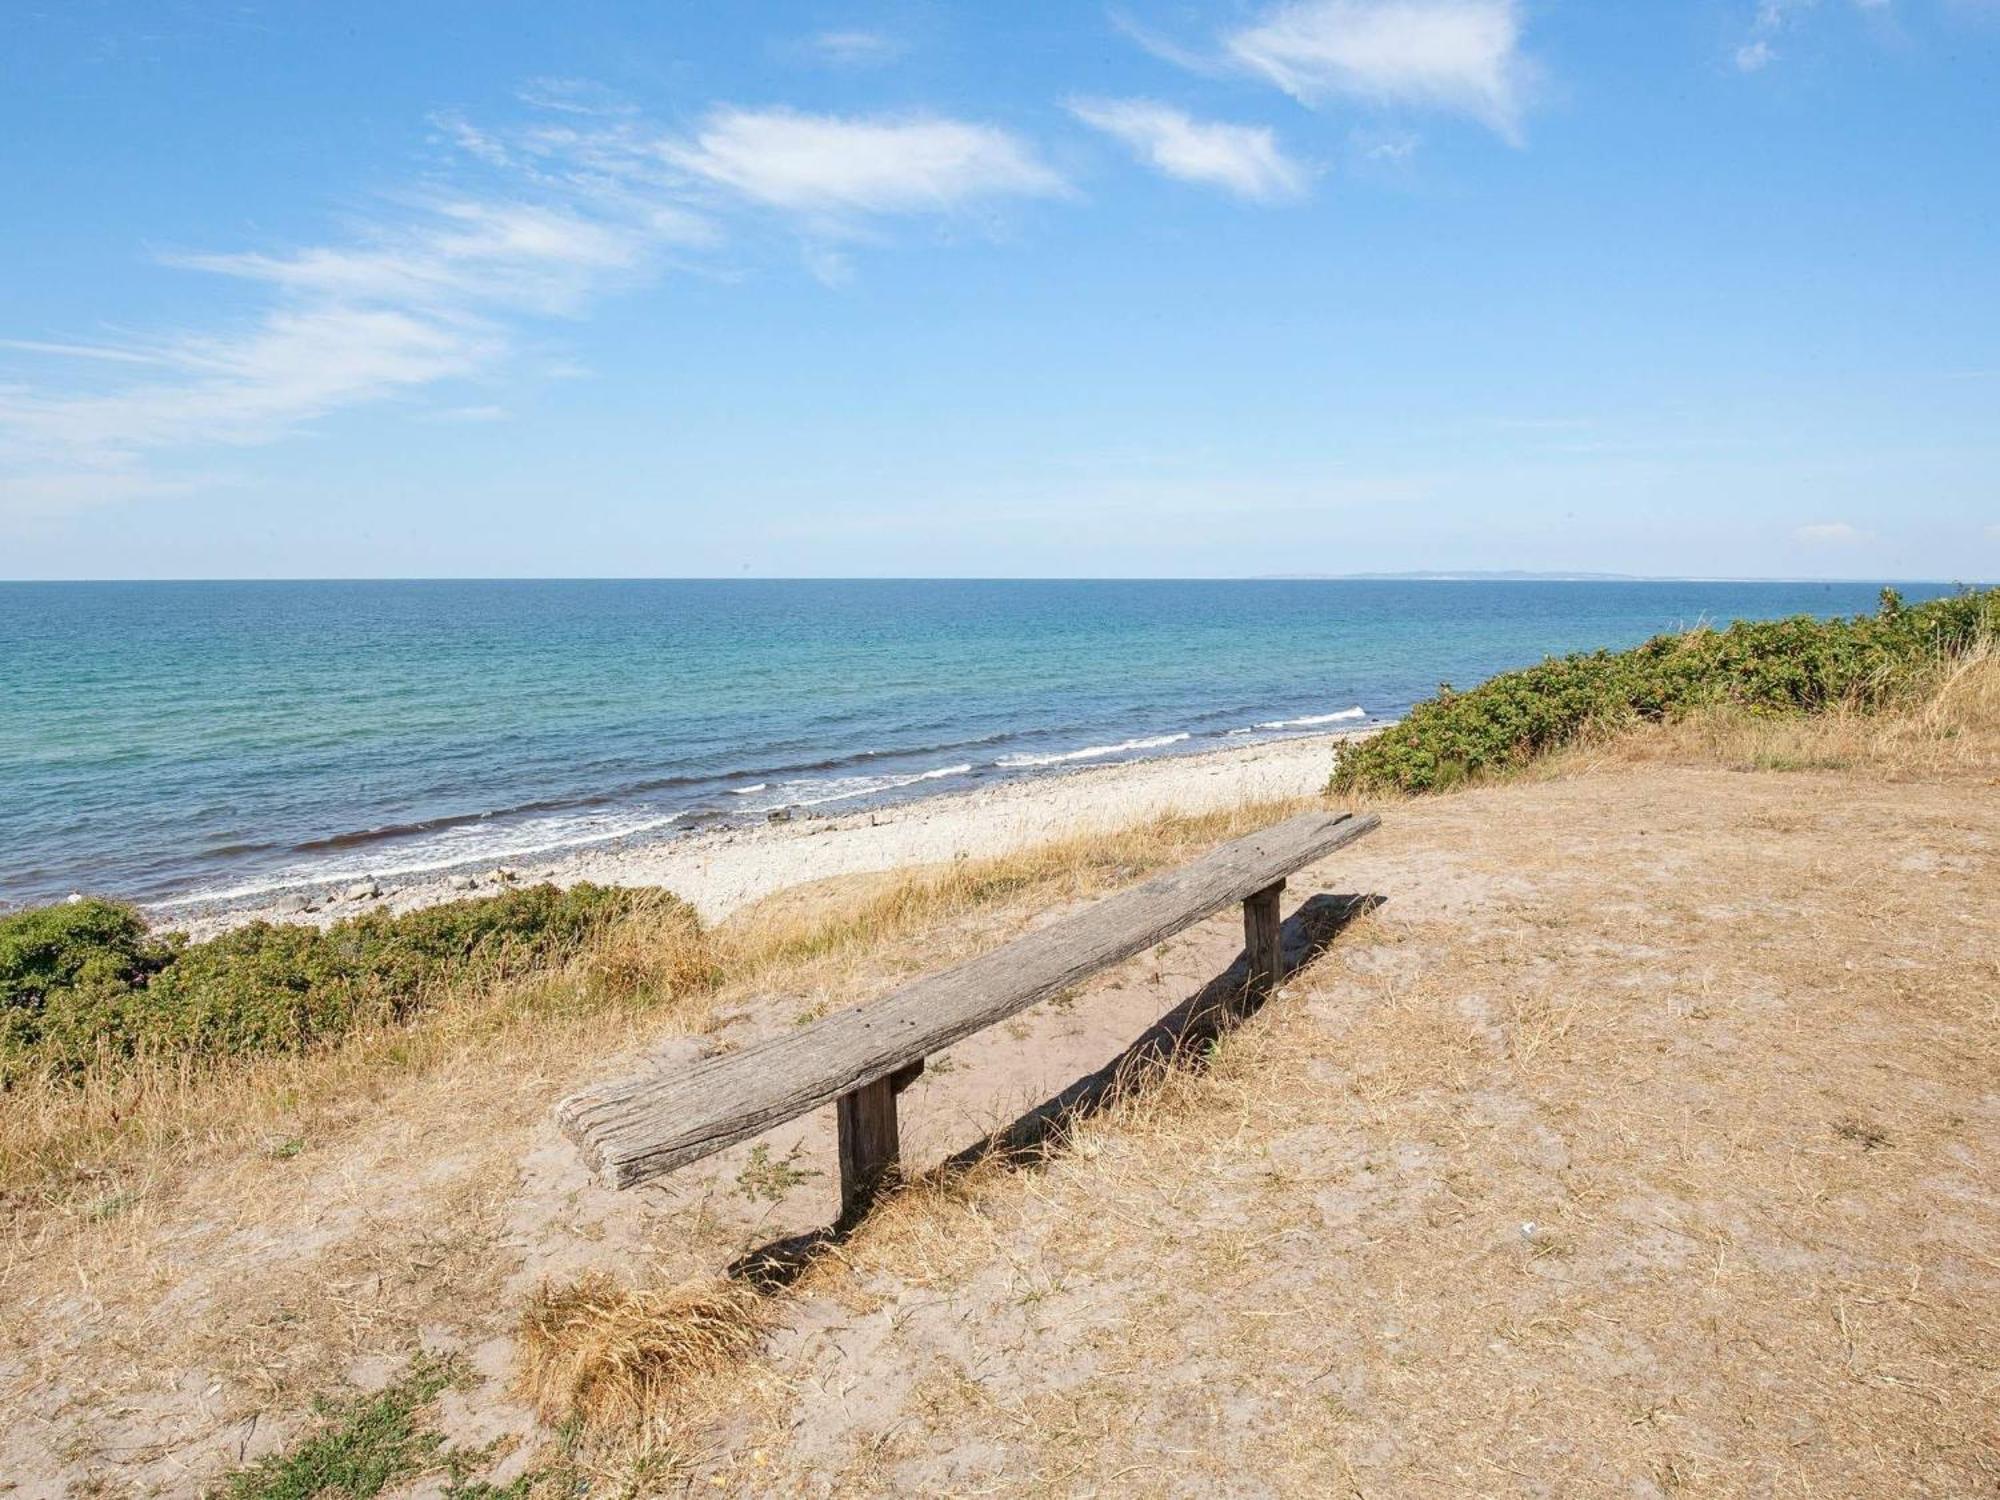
(1091, 752)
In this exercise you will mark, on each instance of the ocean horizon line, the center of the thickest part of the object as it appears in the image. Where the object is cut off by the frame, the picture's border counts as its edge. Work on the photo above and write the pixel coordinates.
(1433, 576)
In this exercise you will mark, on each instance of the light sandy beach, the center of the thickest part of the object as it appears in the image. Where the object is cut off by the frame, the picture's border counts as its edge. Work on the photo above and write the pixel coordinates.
(720, 870)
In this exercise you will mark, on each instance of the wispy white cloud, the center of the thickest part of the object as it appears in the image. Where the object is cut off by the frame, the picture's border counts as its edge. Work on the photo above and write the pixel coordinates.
(538, 257)
(853, 49)
(833, 165)
(1755, 55)
(293, 364)
(395, 309)
(1830, 534)
(1392, 148)
(575, 96)
(560, 212)
(1771, 19)
(1463, 56)
(110, 354)
(1165, 48)
(1759, 50)
(1242, 159)
(827, 265)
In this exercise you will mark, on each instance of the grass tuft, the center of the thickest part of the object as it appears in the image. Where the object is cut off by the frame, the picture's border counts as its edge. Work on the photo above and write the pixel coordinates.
(603, 1355)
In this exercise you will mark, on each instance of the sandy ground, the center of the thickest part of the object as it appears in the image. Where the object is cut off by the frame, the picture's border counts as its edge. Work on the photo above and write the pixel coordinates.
(1645, 1141)
(721, 870)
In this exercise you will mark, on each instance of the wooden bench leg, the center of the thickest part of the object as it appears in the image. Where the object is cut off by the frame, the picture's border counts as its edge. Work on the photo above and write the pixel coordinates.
(869, 1150)
(1261, 936)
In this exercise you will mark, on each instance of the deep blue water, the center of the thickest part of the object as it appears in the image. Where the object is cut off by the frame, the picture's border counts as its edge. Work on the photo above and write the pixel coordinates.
(170, 739)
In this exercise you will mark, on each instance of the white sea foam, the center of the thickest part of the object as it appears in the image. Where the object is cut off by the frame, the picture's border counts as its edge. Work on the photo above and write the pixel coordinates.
(1356, 712)
(846, 788)
(466, 844)
(1090, 752)
(482, 842)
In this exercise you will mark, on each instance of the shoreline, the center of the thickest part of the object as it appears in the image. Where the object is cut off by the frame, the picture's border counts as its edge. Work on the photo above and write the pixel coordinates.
(720, 870)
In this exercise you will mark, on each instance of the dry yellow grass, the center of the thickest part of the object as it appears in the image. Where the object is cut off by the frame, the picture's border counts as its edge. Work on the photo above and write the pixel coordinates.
(1725, 1041)
(1407, 1244)
(60, 1143)
(609, 1356)
(1644, 1179)
(356, 1167)
(858, 919)
(1948, 732)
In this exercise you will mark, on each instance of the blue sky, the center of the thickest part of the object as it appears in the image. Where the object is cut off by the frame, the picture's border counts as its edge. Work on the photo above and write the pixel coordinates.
(457, 289)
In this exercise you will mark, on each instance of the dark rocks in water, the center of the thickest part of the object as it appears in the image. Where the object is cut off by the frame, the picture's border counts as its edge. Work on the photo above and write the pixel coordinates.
(780, 815)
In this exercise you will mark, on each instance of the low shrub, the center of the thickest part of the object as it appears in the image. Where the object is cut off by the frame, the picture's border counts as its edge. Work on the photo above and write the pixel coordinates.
(86, 983)
(1793, 666)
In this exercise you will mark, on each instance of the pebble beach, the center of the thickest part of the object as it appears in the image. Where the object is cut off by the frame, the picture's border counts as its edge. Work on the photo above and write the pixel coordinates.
(720, 870)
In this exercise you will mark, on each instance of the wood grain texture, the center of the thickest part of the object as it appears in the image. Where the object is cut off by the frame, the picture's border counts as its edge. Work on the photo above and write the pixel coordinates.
(1263, 938)
(635, 1129)
(870, 1148)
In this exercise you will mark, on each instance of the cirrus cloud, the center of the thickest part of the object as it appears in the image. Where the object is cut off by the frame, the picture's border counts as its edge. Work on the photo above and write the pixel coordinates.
(833, 165)
(852, 49)
(1462, 56)
(548, 217)
(1242, 159)
(1773, 18)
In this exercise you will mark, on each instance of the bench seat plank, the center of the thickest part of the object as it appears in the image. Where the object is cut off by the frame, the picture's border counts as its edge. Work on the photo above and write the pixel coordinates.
(633, 1130)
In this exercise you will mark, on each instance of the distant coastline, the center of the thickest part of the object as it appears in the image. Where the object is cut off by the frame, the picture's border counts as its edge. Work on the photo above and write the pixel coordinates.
(1517, 575)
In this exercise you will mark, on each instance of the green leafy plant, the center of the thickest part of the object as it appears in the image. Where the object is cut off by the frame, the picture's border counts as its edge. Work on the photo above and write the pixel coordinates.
(1801, 665)
(763, 1178)
(359, 1447)
(85, 984)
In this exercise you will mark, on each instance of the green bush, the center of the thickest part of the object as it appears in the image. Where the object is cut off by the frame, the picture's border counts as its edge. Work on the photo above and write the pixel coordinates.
(86, 982)
(1798, 665)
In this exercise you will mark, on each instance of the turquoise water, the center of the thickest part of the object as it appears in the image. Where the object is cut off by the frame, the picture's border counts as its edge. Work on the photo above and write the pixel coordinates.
(223, 740)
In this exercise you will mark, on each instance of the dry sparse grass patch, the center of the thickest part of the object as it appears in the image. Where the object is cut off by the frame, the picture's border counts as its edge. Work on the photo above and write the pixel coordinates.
(865, 920)
(608, 1356)
(1488, 1204)
(1668, 1168)
(1950, 730)
(61, 1143)
(354, 1166)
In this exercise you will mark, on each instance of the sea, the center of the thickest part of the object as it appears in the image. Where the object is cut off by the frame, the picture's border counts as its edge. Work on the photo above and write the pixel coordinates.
(170, 743)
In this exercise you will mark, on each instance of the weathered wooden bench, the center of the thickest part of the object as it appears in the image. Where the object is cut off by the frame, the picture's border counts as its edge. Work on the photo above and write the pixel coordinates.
(860, 1059)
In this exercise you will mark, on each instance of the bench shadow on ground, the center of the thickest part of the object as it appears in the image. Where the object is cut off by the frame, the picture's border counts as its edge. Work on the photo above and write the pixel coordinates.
(1182, 1038)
